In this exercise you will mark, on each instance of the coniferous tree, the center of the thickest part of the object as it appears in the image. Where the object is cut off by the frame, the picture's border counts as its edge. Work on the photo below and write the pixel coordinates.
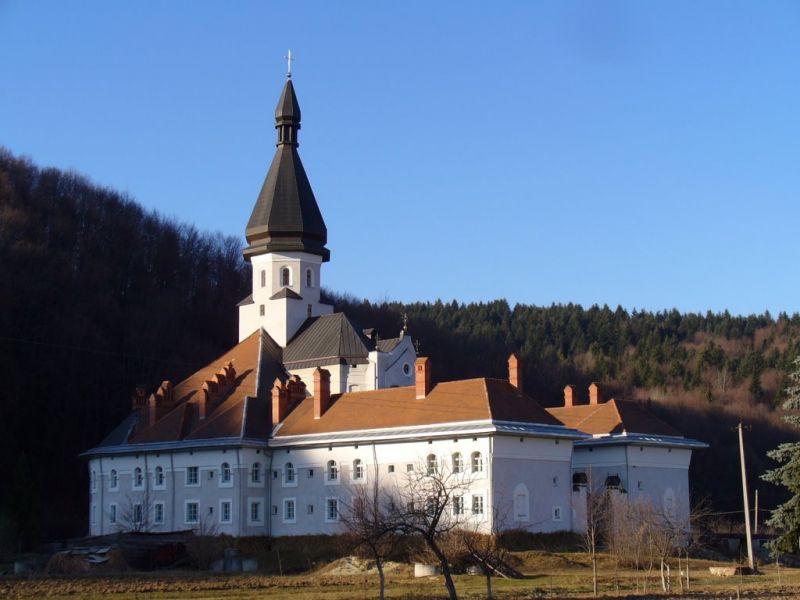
(787, 516)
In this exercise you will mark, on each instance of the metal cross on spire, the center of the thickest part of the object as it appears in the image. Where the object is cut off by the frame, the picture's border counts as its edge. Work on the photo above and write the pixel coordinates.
(289, 60)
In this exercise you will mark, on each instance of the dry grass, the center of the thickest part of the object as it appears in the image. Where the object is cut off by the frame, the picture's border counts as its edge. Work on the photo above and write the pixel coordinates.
(550, 575)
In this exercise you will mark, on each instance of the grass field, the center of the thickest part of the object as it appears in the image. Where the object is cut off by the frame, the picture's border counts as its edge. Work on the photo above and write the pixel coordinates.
(548, 575)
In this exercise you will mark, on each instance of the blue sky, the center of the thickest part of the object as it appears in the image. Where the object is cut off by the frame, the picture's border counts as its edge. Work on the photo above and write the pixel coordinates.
(637, 153)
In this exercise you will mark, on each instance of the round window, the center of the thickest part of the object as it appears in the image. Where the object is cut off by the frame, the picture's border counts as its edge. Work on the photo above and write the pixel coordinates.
(407, 368)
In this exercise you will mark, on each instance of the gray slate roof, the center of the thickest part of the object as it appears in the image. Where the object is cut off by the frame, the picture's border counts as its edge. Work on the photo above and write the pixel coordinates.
(286, 216)
(389, 344)
(286, 293)
(325, 340)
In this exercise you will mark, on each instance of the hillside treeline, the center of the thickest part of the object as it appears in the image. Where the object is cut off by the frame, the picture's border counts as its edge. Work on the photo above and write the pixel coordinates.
(97, 296)
(100, 295)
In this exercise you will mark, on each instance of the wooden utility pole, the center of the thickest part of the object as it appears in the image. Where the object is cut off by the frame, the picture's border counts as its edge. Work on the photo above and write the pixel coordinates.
(750, 561)
(755, 516)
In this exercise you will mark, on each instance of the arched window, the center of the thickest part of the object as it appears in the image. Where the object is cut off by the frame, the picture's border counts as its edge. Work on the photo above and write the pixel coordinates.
(288, 472)
(286, 276)
(431, 464)
(138, 479)
(458, 463)
(579, 480)
(158, 480)
(255, 474)
(521, 503)
(113, 479)
(332, 472)
(263, 278)
(358, 469)
(309, 278)
(477, 462)
(225, 473)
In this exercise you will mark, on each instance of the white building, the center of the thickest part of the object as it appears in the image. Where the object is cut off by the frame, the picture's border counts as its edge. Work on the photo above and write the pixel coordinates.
(270, 438)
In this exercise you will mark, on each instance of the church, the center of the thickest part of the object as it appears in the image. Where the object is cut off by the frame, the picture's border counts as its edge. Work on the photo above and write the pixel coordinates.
(271, 437)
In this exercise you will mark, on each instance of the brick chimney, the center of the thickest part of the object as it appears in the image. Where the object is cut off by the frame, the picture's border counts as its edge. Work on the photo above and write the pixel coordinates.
(152, 410)
(595, 394)
(139, 398)
(570, 396)
(423, 376)
(515, 372)
(322, 391)
(280, 402)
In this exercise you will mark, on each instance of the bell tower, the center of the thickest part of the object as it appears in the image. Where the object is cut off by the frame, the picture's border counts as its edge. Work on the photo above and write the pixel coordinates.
(286, 239)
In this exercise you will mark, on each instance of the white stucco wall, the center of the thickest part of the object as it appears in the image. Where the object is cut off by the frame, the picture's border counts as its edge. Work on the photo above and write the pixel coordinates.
(531, 482)
(208, 493)
(656, 475)
(282, 317)
(314, 490)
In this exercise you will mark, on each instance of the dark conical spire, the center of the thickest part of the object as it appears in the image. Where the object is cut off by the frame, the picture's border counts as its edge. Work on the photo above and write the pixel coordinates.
(287, 116)
(286, 216)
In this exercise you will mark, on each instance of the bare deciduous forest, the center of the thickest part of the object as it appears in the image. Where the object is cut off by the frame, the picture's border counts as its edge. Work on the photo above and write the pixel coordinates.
(100, 295)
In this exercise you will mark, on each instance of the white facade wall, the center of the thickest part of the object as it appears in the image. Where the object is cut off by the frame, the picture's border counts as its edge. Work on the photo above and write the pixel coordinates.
(315, 490)
(282, 317)
(178, 491)
(531, 481)
(657, 475)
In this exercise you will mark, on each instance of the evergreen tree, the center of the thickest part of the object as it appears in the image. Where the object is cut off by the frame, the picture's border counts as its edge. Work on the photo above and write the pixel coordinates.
(787, 516)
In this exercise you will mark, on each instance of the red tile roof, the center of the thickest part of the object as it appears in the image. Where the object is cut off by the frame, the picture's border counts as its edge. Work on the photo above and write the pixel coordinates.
(612, 417)
(453, 401)
(229, 416)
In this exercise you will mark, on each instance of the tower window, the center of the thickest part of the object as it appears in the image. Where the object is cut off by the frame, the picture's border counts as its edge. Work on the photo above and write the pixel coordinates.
(261, 310)
(309, 278)
(286, 276)
(263, 278)
(308, 311)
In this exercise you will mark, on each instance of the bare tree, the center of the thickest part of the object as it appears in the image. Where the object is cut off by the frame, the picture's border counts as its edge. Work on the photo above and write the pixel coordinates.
(370, 520)
(628, 537)
(592, 502)
(135, 513)
(432, 503)
(486, 549)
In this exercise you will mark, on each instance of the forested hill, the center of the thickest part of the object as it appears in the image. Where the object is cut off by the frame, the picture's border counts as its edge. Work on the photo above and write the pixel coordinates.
(99, 295)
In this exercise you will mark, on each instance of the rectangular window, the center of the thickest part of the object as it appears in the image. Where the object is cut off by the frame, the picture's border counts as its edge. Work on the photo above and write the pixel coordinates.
(255, 515)
(288, 510)
(391, 468)
(158, 513)
(477, 505)
(261, 310)
(556, 513)
(112, 513)
(311, 509)
(137, 513)
(94, 514)
(192, 512)
(332, 510)
(409, 468)
(225, 511)
(311, 472)
(192, 475)
(458, 505)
